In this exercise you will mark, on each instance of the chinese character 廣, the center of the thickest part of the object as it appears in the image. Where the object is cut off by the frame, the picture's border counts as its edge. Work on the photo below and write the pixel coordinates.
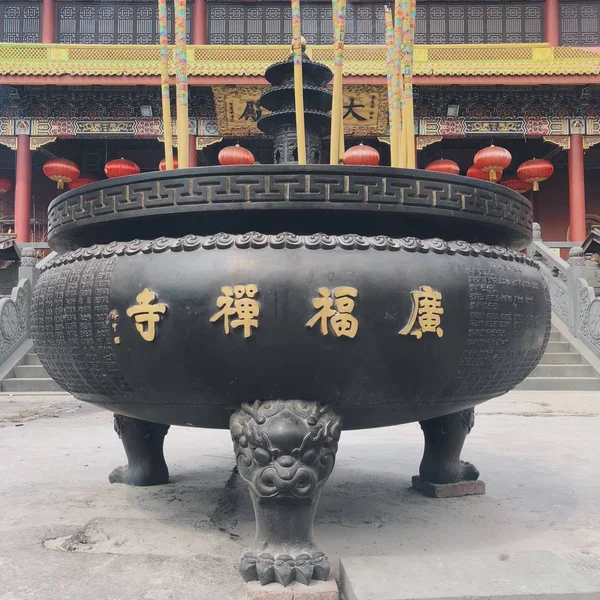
(238, 301)
(338, 314)
(147, 314)
(427, 310)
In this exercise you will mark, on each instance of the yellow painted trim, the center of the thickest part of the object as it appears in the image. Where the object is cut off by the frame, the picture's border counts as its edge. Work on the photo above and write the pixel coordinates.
(210, 61)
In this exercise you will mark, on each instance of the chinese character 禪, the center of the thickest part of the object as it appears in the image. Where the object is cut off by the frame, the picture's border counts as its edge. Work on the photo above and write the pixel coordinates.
(147, 314)
(427, 310)
(336, 315)
(238, 301)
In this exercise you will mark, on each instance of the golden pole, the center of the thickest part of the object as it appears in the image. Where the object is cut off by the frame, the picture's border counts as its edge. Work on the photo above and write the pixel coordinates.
(298, 81)
(397, 90)
(408, 117)
(389, 40)
(164, 83)
(336, 32)
(183, 145)
(338, 64)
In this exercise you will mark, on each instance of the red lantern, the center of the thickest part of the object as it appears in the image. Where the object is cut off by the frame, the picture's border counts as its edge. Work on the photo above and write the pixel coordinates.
(444, 166)
(236, 155)
(163, 164)
(492, 160)
(534, 171)
(517, 185)
(62, 171)
(77, 183)
(362, 155)
(120, 168)
(476, 173)
(5, 185)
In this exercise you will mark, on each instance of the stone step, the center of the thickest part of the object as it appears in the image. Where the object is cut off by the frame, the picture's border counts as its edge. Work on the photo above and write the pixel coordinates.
(31, 385)
(31, 359)
(29, 371)
(556, 336)
(558, 347)
(558, 370)
(574, 384)
(561, 358)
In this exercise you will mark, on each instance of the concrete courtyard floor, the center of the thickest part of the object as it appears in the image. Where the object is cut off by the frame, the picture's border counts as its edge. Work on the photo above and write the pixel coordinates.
(65, 532)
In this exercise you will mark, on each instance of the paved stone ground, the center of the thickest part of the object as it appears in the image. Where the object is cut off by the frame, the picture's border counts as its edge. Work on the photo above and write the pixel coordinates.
(65, 532)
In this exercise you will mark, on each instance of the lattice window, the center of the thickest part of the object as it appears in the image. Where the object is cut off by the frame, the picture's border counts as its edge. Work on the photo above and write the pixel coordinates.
(479, 22)
(20, 22)
(112, 22)
(271, 23)
(580, 23)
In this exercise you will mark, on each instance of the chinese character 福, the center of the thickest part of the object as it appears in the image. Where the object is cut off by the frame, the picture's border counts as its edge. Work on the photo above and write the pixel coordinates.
(427, 309)
(342, 322)
(147, 314)
(238, 301)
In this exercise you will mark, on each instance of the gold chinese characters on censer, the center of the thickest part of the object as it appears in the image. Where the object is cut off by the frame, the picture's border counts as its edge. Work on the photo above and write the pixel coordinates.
(239, 308)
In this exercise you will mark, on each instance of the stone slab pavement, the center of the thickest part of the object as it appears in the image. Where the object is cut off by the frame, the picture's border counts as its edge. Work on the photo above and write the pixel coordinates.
(66, 532)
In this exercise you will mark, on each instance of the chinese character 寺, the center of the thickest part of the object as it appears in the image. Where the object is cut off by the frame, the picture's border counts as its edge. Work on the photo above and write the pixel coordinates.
(342, 322)
(147, 314)
(238, 301)
(427, 309)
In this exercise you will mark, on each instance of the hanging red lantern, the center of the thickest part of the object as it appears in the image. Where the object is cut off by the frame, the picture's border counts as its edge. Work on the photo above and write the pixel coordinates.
(5, 185)
(81, 181)
(492, 160)
(362, 155)
(163, 164)
(444, 166)
(517, 185)
(534, 171)
(62, 171)
(476, 173)
(120, 168)
(235, 155)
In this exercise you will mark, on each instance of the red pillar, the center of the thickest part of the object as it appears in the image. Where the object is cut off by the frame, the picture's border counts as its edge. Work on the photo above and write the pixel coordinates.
(23, 189)
(193, 152)
(199, 23)
(577, 189)
(552, 23)
(48, 22)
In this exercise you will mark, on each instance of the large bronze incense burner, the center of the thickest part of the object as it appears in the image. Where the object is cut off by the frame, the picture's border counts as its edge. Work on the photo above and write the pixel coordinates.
(288, 302)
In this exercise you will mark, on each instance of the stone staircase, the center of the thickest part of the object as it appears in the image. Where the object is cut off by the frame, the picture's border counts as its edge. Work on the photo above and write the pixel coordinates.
(29, 377)
(562, 368)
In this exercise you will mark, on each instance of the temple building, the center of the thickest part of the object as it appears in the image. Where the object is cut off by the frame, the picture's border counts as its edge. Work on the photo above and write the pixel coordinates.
(80, 80)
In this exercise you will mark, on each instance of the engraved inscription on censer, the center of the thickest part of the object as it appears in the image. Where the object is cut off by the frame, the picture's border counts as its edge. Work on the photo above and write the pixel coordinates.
(239, 308)
(340, 318)
(147, 314)
(238, 301)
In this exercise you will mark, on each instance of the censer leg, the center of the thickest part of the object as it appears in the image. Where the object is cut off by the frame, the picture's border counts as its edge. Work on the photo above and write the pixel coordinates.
(444, 440)
(143, 443)
(285, 451)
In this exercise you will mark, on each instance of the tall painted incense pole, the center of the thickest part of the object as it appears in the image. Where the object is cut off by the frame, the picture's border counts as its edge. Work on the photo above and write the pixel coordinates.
(409, 15)
(389, 62)
(337, 23)
(338, 65)
(164, 83)
(298, 81)
(182, 84)
(398, 154)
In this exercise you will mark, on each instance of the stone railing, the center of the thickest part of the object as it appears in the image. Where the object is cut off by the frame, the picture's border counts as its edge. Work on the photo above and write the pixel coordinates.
(574, 289)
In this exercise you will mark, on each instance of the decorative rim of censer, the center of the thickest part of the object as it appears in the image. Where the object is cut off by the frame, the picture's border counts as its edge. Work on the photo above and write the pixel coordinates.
(316, 241)
(298, 198)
